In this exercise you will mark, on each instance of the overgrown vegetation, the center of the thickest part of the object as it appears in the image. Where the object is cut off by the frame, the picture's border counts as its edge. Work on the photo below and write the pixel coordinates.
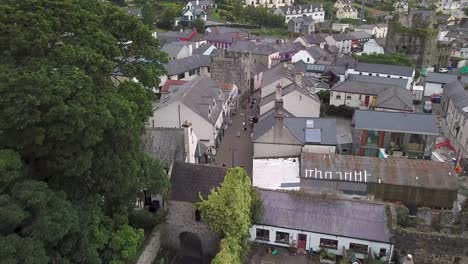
(404, 219)
(233, 11)
(228, 211)
(71, 162)
(391, 59)
(337, 111)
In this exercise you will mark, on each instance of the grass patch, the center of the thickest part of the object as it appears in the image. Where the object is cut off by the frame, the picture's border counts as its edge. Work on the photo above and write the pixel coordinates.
(370, 10)
(167, 4)
(216, 17)
(273, 32)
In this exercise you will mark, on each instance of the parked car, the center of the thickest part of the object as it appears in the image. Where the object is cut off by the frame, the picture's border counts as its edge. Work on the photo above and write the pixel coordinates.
(427, 107)
(443, 70)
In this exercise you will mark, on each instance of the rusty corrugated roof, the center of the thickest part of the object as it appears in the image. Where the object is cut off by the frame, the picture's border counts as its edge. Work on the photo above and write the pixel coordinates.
(397, 171)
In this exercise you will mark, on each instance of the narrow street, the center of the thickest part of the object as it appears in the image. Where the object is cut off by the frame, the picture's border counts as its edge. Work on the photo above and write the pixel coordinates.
(237, 150)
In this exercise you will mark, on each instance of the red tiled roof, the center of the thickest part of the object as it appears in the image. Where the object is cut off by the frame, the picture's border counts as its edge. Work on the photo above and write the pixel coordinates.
(168, 83)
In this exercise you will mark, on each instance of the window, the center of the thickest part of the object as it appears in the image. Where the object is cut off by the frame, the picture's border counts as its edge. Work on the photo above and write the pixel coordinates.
(372, 137)
(360, 97)
(358, 248)
(197, 215)
(382, 252)
(461, 135)
(263, 234)
(328, 243)
(282, 237)
(360, 73)
(338, 96)
(388, 76)
(348, 97)
(308, 59)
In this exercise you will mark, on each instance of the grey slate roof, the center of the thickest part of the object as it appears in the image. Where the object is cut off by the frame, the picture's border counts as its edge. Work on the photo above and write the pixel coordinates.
(347, 218)
(245, 46)
(396, 99)
(360, 35)
(173, 48)
(444, 78)
(314, 39)
(288, 47)
(296, 8)
(175, 67)
(316, 52)
(165, 144)
(342, 37)
(458, 96)
(202, 48)
(273, 74)
(385, 69)
(198, 95)
(286, 90)
(415, 123)
(375, 79)
(296, 126)
(189, 180)
(361, 87)
(258, 68)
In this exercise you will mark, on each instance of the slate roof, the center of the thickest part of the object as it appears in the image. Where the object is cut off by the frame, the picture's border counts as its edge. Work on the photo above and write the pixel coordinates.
(314, 39)
(224, 37)
(399, 99)
(366, 88)
(202, 49)
(415, 123)
(360, 35)
(366, 26)
(347, 218)
(296, 8)
(287, 47)
(258, 68)
(224, 30)
(316, 52)
(342, 37)
(443, 78)
(286, 90)
(296, 126)
(459, 97)
(375, 79)
(165, 144)
(173, 48)
(178, 66)
(273, 74)
(385, 69)
(188, 180)
(245, 46)
(198, 95)
(395, 171)
(171, 84)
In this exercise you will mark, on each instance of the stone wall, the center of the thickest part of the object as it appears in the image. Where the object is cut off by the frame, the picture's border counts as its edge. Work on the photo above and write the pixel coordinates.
(232, 68)
(181, 218)
(151, 251)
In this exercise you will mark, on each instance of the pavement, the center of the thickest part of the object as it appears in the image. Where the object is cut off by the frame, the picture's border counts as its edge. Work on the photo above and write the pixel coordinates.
(236, 150)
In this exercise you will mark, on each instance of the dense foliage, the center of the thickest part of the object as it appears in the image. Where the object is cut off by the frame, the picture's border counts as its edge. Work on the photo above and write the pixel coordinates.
(228, 211)
(259, 16)
(72, 128)
(391, 59)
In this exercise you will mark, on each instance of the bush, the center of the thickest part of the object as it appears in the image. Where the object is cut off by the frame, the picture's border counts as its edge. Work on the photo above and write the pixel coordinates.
(342, 110)
(144, 219)
(324, 96)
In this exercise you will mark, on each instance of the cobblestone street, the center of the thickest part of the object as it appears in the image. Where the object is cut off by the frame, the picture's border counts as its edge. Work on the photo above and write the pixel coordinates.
(237, 150)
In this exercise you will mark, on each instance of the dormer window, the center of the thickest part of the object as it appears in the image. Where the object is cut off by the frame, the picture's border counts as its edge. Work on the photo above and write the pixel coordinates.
(294, 11)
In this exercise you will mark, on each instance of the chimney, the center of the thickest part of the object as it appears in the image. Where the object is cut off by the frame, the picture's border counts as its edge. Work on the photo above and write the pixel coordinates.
(279, 115)
(408, 259)
(188, 142)
(298, 79)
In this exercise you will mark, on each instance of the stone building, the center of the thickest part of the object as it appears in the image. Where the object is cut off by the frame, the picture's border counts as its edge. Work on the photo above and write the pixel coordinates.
(415, 35)
(233, 67)
(183, 230)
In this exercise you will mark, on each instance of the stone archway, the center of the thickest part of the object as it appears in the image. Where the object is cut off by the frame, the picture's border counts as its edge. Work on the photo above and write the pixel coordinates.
(190, 245)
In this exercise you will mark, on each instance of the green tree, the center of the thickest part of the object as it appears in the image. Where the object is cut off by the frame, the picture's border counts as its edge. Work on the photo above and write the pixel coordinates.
(167, 19)
(393, 59)
(76, 125)
(119, 2)
(125, 244)
(149, 13)
(227, 210)
(199, 24)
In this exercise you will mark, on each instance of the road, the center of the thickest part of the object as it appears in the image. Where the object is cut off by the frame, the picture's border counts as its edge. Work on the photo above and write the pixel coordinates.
(237, 150)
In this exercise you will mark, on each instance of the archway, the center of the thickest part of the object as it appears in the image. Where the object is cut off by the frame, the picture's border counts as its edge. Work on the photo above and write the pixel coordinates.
(190, 245)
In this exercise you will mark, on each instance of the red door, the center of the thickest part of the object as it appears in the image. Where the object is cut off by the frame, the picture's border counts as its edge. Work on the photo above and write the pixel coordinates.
(366, 100)
(301, 241)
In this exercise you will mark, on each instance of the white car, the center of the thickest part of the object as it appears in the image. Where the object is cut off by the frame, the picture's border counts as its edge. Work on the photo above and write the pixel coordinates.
(443, 70)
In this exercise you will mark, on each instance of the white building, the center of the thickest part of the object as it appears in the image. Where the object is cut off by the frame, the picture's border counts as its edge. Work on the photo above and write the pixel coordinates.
(195, 10)
(310, 55)
(347, 11)
(455, 110)
(385, 71)
(177, 50)
(372, 47)
(314, 11)
(435, 82)
(269, 3)
(314, 223)
(201, 102)
(342, 41)
(376, 30)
